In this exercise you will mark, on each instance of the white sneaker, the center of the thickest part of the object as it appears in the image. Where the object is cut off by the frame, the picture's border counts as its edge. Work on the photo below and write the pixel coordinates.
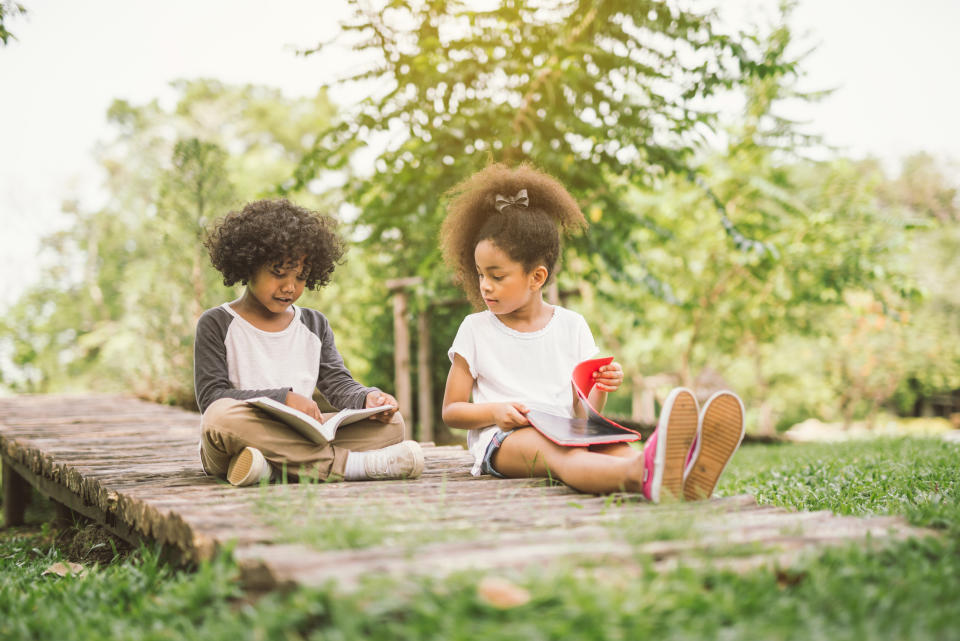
(249, 467)
(401, 461)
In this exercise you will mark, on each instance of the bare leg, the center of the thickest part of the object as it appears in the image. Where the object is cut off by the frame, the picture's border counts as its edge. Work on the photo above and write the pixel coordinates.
(527, 453)
(614, 449)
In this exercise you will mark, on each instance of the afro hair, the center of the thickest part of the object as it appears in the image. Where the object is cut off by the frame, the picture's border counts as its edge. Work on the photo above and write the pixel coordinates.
(271, 232)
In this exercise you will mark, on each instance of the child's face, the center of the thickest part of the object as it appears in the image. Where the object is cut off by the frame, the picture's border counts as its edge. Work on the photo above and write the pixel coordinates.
(278, 286)
(504, 284)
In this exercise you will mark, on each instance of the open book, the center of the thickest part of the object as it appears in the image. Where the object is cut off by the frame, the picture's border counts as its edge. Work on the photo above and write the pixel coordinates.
(309, 427)
(595, 429)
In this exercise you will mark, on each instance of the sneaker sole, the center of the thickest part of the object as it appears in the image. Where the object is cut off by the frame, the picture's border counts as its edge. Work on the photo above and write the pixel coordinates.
(673, 450)
(720, 435)
(240, 466)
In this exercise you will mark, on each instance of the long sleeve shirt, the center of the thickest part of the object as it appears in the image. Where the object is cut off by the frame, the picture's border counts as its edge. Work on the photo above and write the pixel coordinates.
(234, 359)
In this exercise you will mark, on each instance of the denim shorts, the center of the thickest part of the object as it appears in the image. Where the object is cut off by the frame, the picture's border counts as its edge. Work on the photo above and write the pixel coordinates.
(486, 466)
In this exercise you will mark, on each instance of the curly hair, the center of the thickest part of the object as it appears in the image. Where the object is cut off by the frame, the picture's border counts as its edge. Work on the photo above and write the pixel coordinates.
(270, 232)
(528, 235)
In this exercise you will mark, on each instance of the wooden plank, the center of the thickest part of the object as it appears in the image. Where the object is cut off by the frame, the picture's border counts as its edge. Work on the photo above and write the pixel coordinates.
(284, 565)
(89, 453)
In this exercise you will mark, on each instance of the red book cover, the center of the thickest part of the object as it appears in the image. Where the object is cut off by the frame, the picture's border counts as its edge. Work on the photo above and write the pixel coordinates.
(594, 429)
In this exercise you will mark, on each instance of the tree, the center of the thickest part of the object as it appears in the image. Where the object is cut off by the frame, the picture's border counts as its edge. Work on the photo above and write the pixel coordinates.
(117, 308)
(193, 192)
(604, 95)
(930, 359)
(9, 9)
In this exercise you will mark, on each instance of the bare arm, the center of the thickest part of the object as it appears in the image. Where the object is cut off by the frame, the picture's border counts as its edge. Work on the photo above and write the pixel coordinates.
(459, 412)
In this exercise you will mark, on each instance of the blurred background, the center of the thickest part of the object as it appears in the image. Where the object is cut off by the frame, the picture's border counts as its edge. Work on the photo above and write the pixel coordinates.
(772, 188)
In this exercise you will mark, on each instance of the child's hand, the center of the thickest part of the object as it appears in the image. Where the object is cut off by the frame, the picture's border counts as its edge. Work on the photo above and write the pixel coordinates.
(510, 415)
(609, 377)
(376, 399)
(306, 405)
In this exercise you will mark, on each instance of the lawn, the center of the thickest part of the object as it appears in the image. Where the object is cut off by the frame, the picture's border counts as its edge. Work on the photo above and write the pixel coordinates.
(903, 590)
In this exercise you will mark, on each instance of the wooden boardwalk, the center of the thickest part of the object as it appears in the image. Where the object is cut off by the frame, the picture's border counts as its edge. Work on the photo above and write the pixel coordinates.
(132, 466)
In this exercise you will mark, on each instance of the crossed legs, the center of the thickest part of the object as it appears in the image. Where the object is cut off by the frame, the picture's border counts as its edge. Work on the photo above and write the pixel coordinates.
(228, 426)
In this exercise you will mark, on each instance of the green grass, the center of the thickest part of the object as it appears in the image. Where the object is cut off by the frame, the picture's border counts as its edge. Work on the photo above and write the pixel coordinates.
(907, 590)
(138, 598)
(916, 478)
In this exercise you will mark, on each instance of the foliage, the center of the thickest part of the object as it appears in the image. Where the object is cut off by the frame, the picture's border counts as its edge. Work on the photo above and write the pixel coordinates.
(838, 251)
(692, 261)
(117, 309)
(607, 96)
(813, 288)
(930, 353)
(603, 95)
(9, 9)
(889, 346)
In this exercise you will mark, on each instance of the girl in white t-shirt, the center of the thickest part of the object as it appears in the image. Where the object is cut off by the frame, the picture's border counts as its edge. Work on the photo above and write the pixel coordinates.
(501, 237)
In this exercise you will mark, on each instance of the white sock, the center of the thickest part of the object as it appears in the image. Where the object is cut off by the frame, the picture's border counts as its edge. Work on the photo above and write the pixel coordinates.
(354, 471)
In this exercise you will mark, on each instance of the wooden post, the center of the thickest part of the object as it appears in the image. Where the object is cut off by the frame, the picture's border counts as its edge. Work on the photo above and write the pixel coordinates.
(643, 407)
(636, 397)
(16, 496)
(401, 350)
(553, 292)
(424, 381)
(401, 359)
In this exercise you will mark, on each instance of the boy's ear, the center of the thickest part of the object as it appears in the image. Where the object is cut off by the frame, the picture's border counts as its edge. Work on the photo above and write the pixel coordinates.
(538, 276)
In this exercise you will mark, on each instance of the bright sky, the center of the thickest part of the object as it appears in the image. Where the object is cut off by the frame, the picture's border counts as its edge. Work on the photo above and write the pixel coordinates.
(893, 64)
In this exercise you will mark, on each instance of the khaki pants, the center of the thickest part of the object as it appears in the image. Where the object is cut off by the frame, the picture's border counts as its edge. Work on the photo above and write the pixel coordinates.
(230, 425)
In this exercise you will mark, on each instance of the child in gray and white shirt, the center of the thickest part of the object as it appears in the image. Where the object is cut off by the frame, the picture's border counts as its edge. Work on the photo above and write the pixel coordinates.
(262, 344)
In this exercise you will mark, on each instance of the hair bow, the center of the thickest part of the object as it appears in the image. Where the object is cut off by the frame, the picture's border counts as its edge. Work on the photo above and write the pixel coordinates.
(520, 200)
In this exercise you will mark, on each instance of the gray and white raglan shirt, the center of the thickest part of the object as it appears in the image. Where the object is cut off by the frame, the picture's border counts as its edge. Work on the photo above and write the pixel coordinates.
(234, 359)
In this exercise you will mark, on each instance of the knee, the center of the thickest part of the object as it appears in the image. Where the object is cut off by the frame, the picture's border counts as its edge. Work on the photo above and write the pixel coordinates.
(218, 416)
(396, 428)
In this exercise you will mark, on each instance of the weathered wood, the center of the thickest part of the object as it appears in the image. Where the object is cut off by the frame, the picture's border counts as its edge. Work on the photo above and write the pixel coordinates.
(65, 497)
(132, 467)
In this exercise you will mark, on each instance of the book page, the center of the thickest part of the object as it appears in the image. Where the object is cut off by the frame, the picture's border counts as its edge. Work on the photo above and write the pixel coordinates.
(309, 427)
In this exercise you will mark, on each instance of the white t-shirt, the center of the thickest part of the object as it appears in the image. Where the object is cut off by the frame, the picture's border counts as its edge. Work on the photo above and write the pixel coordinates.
(257, 358)
(532, 368)
(235, 359)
